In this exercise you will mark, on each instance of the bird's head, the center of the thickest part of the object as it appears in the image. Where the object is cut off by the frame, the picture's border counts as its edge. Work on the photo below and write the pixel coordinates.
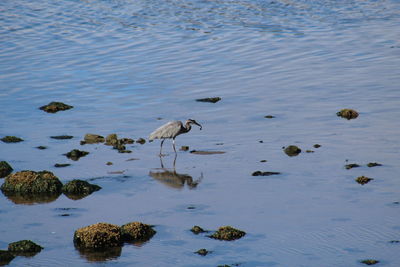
(190, 121)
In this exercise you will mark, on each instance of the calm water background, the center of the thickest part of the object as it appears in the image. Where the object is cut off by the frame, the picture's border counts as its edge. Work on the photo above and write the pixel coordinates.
(123, 64)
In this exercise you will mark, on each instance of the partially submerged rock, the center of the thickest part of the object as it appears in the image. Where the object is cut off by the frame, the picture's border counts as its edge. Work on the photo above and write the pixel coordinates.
(61, 165)
(75, 154)
(78, 189)
(228, 233)
(317, 146)
(137, 231)
(199, 152)
(98, 236)
(5, 257)
(202, 252)
(184, 148)
(54, 107)
(347, 113)
(41, 147)
(93, 139)
(351, 165)
(260, 173)
(111, 139)
(269, 117)
(62, 137)
(31, 182)
(373, 164)
(24, 248)
(11, 139)
(5, 169)
(292, 150)
(369, 261)
(141, 141)
(209, 99)
(197, 230)
(363, 180)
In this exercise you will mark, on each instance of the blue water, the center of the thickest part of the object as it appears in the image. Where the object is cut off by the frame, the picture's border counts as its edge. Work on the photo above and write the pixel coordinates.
(127, 67)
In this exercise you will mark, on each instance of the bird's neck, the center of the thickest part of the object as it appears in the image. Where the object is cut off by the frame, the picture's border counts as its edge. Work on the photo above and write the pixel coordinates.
(187, 128)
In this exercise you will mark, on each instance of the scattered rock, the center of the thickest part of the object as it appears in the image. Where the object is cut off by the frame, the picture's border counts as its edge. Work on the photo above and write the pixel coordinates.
(369, 262)
(347, 113)
(263, 160)
(62, 137)
(269, 117)
(352, 165)
(261, 141)
(137, 231)
(41, 147)
(394, 241)
(184, 148)
(197, 230)
(198, 152)
(11, 139)
(24, 248)
(125, 151)
(202, 252)
(209, 99)
(317, 146)
(5, 169)
(363, 180)
(98, 236)
(78, 189)
(228, 233)
(92, 139)
(54, 107)
(61, 165)
(75, 154)
(109, 163)
(260, 173)
(127, 140)
(31, 182)
(373, 164)
(5, 257)
(111, 140)
(141, 141)
(310, 151)
(292, 151)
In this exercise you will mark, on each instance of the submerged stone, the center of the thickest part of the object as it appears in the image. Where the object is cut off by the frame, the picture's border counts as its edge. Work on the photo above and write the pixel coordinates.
(347, 113)
(292, 150)
(369, 261)
(93, 139)
(61, 165)
(31, 182)
(228, 233)
(11, 139)
(202, 252)
(352, 165)
(5, 169)
(41, 147)
(5, 257)
(77, 189)
(54, 107)
(98, 236)
(363, 180)
(209, 99)
(373, 164)
(137, 231)
(24, 247)
(260, 173)
(62, 137)
(269, 117)
(197, 230)
(75, 154)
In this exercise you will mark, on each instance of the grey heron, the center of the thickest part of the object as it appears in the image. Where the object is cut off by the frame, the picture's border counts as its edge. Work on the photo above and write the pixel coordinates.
(171, 130)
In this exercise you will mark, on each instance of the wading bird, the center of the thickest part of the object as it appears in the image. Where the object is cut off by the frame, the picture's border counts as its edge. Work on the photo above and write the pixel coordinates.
(171, 130)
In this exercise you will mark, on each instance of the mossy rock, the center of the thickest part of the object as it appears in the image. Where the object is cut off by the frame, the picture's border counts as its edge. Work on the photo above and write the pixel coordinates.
(24, 248)
(197, 230)
(137, 231)
(111, 139)
(5, 169)
(141, 141)
(54, 107)
(373, 164)
(228, 233)
(5, 257)
(11, 139)
(93, 139)
(75, 154)
(369, 261)
(31, 182)
(62, 137)
(78, 189)
(202, 252)
(209, 99)
(98, 236)
(292, 150)
(347, 113)
(351, 165)
(363, 180)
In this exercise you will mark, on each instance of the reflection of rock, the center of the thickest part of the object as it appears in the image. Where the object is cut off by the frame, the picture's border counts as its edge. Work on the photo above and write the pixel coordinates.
(5, 169)
(25, 248)
(137, 231)
(100, 254)
(78, 189)
(29, 199)
(174, 179)
(5, 257)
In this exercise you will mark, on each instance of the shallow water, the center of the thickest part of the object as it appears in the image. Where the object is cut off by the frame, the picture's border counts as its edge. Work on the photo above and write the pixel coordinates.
(124, 64)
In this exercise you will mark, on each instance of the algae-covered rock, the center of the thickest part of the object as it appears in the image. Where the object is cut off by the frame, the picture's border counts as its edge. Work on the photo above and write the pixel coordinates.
(62, 137)
(369, 261)
(31, 182)
(5, 169)
(292, 150)
(202, 252)
(98, 236)
(347, 113)
(209, 99)
(11, 139)
(260, 173)
(137, 231)
(351, 165)
(5, 257)
(24, 248)
(75, 154)
(363, 180)
(93, 139)
(227, 233)
(54, 107)
(197, 230)
(111, 139)
(78, 189)
(373, 164)
(141, 141)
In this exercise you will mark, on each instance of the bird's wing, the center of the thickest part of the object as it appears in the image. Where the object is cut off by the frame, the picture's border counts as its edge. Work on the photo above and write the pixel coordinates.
(168, 130)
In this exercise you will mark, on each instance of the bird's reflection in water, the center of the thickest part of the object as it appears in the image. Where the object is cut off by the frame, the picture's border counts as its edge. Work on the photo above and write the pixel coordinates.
(172, 179)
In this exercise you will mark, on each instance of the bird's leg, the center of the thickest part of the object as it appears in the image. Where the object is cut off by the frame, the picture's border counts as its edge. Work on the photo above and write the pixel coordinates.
(162, 142)
(173, 144)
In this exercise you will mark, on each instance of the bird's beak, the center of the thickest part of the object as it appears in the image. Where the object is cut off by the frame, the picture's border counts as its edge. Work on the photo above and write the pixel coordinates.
(201, 127)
